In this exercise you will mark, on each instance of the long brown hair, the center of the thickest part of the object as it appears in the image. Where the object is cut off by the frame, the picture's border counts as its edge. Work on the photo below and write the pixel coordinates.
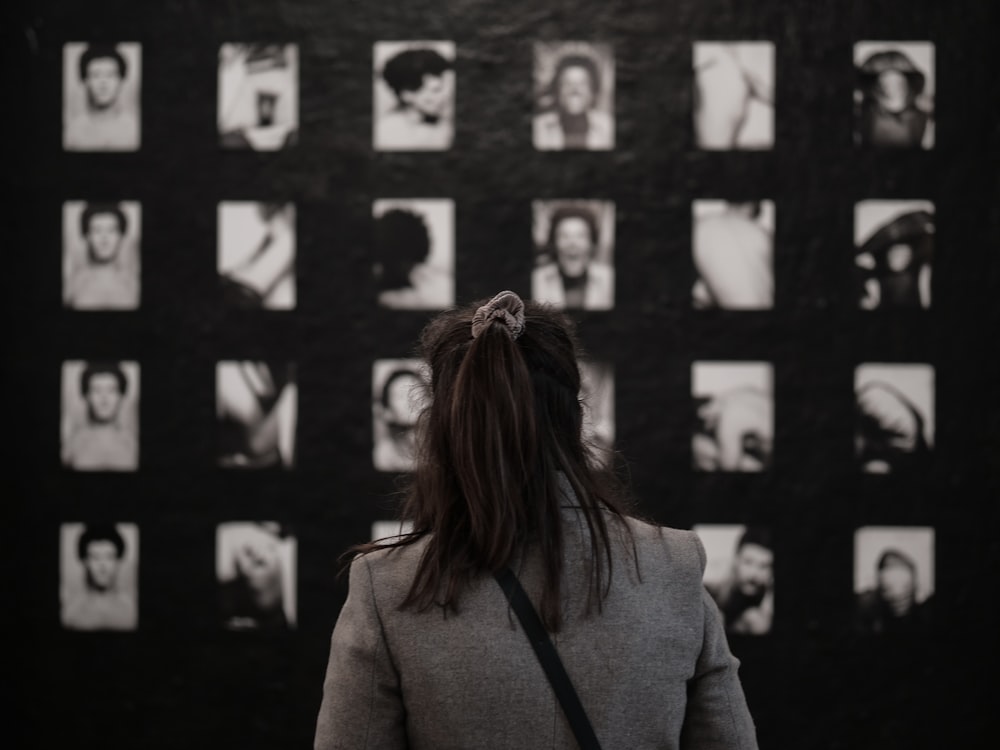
(502, 421)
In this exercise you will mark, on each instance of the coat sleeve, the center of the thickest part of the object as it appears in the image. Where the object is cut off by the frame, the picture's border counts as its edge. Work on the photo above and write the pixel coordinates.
(717, 716)
(362, 706)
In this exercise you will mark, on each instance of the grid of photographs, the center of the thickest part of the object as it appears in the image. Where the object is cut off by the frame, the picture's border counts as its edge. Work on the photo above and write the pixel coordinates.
(413, 249)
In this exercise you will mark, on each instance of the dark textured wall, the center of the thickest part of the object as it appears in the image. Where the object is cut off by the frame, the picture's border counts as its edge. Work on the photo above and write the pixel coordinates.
(180, 679)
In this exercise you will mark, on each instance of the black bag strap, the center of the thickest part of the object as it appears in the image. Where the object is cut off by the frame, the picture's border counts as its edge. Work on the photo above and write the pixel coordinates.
(548, 657)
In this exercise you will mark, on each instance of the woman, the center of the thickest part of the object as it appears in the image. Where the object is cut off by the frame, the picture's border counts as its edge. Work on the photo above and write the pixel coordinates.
(573, 278)
(426, 652)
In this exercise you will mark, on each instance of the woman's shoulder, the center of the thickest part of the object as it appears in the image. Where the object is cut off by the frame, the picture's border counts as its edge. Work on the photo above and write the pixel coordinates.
(677, 549)
(390, 567)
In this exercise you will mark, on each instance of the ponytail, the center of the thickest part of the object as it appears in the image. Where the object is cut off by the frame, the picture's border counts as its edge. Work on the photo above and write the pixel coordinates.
(499, 451)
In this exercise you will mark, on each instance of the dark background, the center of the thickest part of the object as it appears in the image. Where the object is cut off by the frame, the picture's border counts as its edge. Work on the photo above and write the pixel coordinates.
(180, 680)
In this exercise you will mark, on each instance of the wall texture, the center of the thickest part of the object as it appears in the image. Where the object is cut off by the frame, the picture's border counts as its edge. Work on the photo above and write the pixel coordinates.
(180, 678)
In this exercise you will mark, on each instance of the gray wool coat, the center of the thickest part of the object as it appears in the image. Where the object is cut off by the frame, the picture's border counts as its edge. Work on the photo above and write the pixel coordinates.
(653, 669)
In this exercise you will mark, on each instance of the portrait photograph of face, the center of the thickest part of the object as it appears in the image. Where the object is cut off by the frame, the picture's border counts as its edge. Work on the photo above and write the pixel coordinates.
(256, 412)
(258, 96)
(894, 416)
(574, 84)
(893, 254)
(574, 254)
(414, 96)
(734, 415)
(739, 574)
(100, 415)
(893, 579)
(255, 567)
(101, 258)
(597, 391)
(399, 390)
(256, 258)
(734, 95)
(732, 246)
(414, 253)
(101, 96)
(99, 566)
(894, 94)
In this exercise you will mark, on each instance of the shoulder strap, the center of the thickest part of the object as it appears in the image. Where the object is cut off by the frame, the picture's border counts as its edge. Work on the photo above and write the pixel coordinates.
(548, 657)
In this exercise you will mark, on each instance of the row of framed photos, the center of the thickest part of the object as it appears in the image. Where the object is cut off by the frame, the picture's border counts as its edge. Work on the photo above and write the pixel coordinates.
(257, 404)
(256, 572)
(572, 88)
(573, 259)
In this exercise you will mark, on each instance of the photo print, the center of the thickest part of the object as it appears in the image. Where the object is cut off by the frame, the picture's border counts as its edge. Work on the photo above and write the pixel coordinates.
(256, 412)
(399, 390)
(893, 579)
(597, 391)
(255, 566)
(414, 96)
(100, 415)
(574, 85)
(414, 248)
(389, 530)
(734, 95)
(574, 254)
(256, 260)
(258, 96)
(893, 254)
(101, 96)
(894, 94)
(733, 249)
(734, 416)
(894, 416)
(739, 574)
(98, 587)
(101, 257)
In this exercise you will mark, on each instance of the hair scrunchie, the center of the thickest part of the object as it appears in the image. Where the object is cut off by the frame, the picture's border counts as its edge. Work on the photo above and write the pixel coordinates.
(506, 307)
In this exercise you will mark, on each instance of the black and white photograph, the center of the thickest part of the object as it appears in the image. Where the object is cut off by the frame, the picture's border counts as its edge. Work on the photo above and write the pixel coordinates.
(574, 254)
(732, 245)
(574, 84)
(733, 416)
(414, 253)
(101, 255)
(414, 95)
(894, 94)
(739, 574)
(597, 393)
(256, 412)
(100, 415)
(894, 416)
(734, 95)
(256, 258)
(399, 393)
(893, 579)
(99, 571)
(893, 254)
(255, 567)
(386, 530)
(101, 96)
(258, 96)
